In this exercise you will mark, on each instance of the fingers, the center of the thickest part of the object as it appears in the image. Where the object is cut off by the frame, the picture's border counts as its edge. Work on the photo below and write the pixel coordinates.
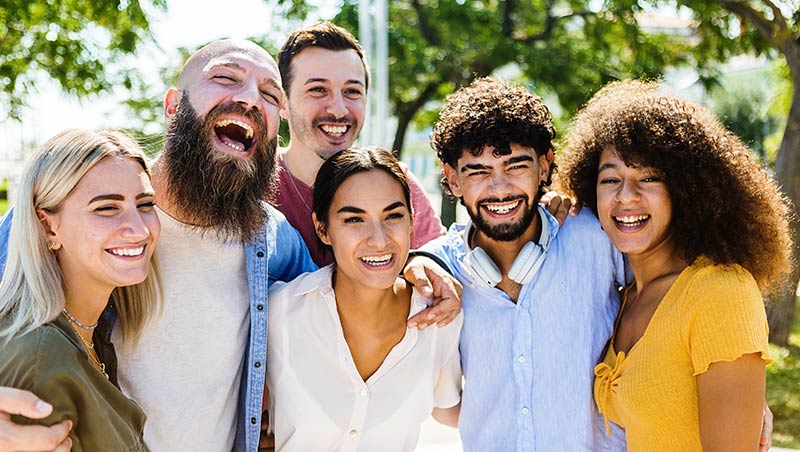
(16, 401)
(446, 304)
(415, 274)
(766, 430)
(35, 437)
(65, 446)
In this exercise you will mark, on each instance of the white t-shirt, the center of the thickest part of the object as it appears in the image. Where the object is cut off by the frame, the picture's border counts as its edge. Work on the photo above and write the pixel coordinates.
(318, 401)
(186, 371)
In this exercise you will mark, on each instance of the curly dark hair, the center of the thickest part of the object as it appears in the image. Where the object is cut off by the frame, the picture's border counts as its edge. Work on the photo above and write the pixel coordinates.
(725, 205)
(326, 35)
(492, 112)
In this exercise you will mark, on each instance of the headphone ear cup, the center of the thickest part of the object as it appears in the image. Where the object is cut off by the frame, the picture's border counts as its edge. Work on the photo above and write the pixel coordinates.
(481, 267)
(527, 263)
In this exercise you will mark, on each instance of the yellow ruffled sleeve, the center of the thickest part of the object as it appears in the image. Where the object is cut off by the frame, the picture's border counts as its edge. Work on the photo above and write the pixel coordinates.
(725, 317)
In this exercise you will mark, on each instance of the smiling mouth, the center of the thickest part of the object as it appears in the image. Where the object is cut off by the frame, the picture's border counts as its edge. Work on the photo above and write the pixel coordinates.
(502, 208)
(127, 252)
(631, 221)
(237, 135)
(377, 261)
(335, 131)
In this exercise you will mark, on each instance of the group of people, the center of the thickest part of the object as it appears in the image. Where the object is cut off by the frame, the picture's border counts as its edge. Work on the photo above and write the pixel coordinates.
(187, 293)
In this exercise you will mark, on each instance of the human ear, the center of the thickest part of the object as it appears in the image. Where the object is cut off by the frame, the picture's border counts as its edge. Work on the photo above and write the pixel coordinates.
(545, 161)
(451, 175)
(320, 229)
(49, 222)
(171, 101)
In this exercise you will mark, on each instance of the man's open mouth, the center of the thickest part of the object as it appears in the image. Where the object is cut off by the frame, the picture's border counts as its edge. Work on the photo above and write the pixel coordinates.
(237, 135)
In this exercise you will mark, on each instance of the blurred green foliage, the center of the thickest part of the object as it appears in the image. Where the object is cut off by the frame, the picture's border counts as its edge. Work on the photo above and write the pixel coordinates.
(783, 391)
(74, 42)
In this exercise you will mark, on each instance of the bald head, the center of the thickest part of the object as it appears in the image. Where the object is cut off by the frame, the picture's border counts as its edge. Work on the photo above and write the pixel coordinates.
(221, 50)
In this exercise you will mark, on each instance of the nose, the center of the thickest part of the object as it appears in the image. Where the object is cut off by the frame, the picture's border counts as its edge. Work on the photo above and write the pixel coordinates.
(499, 185)
(135, 227)
(378, 236)
(337, 106)
(249, 94)
(628, 191)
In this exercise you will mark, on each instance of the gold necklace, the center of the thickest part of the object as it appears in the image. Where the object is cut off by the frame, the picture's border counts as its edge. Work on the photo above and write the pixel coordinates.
(90, 351)
(294, 185)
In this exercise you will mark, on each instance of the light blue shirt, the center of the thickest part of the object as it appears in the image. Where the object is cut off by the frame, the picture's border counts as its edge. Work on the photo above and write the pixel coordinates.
(277, 253)
(529, 366)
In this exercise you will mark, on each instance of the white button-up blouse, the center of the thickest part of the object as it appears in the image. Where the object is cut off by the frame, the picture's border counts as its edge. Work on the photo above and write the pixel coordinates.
(318, 400)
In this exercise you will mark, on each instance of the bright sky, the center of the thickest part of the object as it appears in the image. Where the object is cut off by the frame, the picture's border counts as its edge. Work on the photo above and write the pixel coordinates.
(186, 23)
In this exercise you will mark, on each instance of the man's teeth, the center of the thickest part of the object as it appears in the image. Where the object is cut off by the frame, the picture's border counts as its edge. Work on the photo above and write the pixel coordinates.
(127, 251)
(377, 260)
(502, 208)
(248, 131)
(336, 131)
(632, 220)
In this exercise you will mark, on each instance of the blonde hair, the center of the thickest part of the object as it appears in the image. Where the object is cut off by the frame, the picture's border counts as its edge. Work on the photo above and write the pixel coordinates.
(31, 289)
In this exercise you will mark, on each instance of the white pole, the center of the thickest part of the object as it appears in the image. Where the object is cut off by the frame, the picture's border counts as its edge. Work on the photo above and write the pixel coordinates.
(382, 74)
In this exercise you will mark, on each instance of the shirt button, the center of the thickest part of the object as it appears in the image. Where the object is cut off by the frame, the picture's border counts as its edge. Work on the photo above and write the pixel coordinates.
(260, 254)
(364, 392)
(353, 433)
(253, 420)
(257, 364)
(521, 358)
(260, 307)
(524, 410)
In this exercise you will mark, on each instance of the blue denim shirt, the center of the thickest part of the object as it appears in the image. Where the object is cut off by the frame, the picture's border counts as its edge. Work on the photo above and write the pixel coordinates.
(277, 253)
(529, 366)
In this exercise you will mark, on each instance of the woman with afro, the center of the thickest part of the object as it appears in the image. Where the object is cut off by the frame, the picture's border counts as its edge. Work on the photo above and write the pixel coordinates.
(706, 234)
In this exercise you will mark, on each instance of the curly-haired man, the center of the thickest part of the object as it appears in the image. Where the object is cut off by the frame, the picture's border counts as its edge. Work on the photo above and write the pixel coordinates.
(539, 299)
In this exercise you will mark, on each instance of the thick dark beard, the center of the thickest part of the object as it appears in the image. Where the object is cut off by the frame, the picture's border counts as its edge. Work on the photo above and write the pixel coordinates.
(504, 232)
(215, 191)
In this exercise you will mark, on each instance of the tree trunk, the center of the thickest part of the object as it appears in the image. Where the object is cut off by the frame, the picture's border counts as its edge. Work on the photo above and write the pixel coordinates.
(403, 120)
(781, 309)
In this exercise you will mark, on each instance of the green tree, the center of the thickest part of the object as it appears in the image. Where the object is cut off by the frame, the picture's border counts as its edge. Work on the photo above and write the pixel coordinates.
(74, 42)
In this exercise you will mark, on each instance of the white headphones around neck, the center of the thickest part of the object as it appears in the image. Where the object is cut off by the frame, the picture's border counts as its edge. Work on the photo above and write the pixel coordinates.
(526, 264)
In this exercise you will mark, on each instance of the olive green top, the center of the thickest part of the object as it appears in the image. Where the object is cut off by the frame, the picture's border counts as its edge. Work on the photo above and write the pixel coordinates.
(52, 363)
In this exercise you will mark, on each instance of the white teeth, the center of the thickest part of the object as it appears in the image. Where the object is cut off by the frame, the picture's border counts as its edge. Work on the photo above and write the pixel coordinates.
(502, 208)
(127, 251)
(336, 131)
(632, 220)
(248, 131)
(377, 260)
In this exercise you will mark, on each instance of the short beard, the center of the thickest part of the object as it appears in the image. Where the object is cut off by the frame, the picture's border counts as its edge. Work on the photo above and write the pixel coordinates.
(504, 232)
(215, 191)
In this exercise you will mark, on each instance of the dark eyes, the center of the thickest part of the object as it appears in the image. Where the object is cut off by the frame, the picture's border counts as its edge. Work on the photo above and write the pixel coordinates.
(391, 216)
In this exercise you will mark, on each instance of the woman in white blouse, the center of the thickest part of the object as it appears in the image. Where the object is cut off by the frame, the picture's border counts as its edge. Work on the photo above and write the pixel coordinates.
(344, 372)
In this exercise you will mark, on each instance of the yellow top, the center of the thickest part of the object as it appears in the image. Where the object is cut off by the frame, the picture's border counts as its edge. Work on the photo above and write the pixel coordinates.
(711, 313)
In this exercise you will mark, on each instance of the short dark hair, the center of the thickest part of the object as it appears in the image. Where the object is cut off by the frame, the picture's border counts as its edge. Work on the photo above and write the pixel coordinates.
(323, 34)
(725, 205)
(349, 162)
(492, 112)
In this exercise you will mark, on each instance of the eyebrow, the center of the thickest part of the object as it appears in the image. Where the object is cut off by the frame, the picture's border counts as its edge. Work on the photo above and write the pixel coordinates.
(226, 64)
(239, 68)
(115, 197)
(605, 166)
(323, 80)
(353, 209)
(511, 161)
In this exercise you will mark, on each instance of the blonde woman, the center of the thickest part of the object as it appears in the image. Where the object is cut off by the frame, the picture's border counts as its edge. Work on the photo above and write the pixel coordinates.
(81, 246)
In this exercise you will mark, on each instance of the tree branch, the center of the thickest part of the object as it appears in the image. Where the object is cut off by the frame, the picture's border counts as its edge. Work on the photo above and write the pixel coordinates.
(750, 14)
(424, 27)
(550, 25)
